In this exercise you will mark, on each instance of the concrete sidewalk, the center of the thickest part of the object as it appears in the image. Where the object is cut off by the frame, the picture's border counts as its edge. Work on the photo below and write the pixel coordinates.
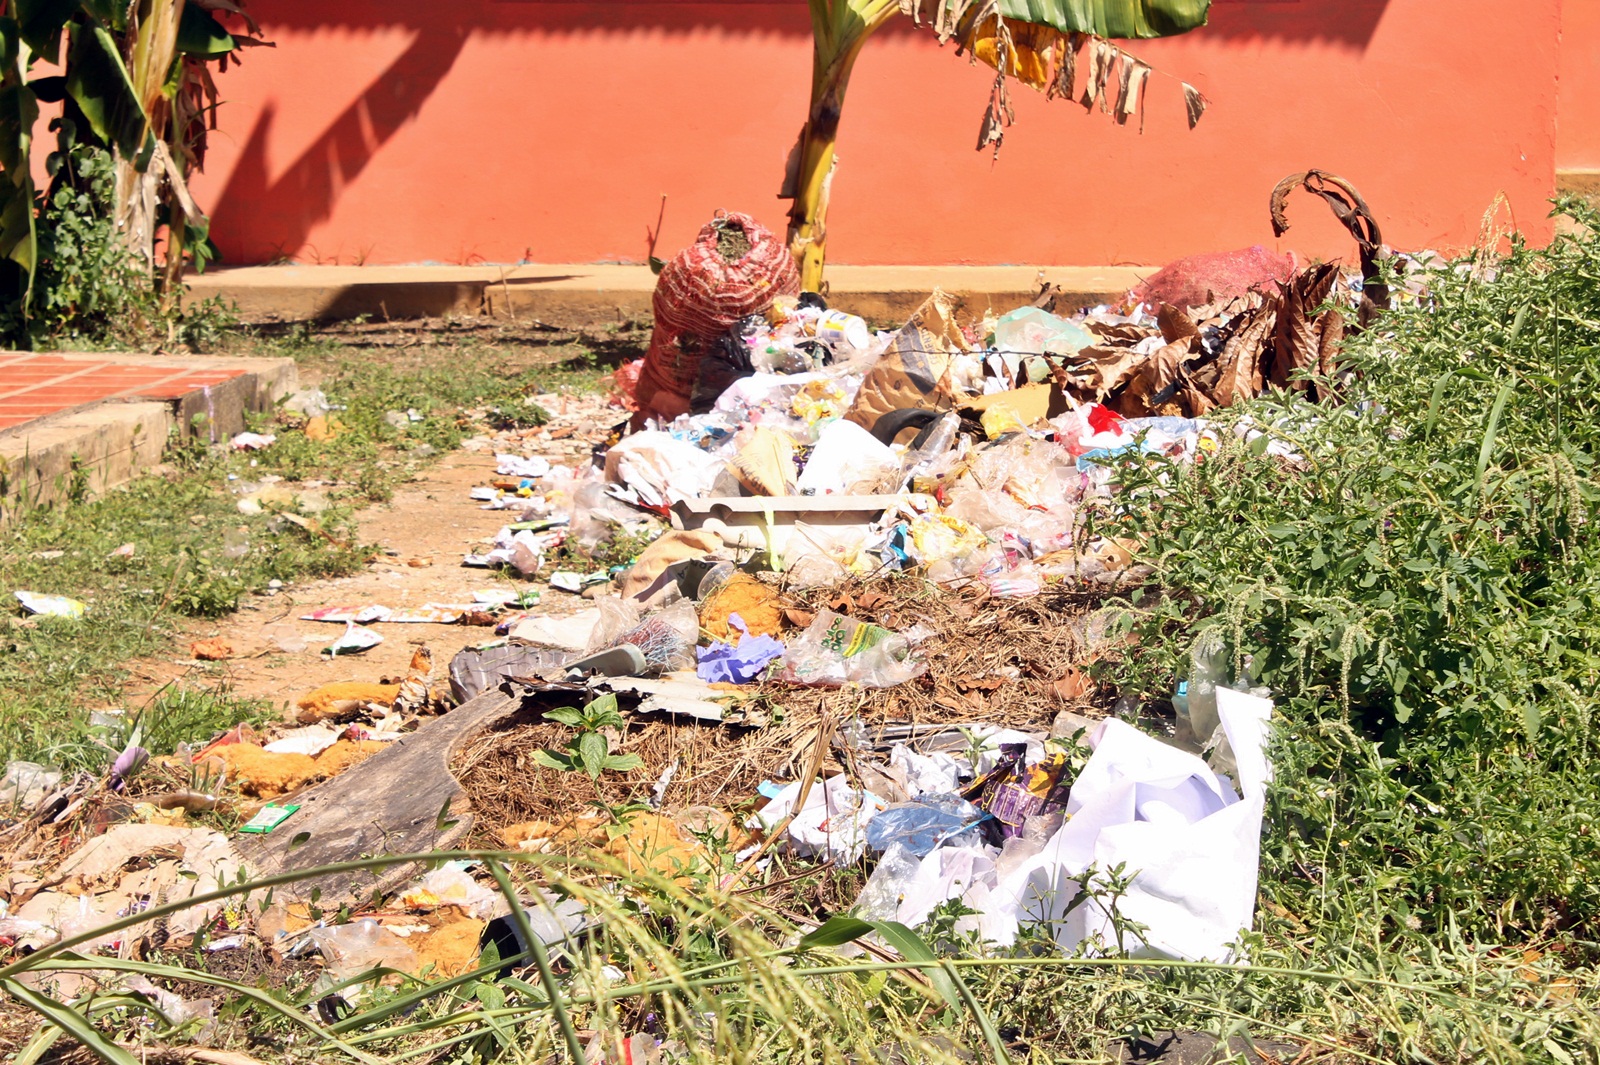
(592, 294)
(71, 422)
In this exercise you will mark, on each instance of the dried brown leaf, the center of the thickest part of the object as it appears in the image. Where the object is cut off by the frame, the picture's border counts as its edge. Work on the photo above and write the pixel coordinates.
(1175, 324)
(1240, 363)
(1102, 370)
(1196, 103)
(1330, 341)
(1297, 344)
(1195, 402)
(1159, 377)
(1073, 685)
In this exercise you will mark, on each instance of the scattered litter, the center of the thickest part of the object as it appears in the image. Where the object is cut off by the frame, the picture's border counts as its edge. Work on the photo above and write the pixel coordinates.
(355, 640)
(571, 633)
(571, 581)
(215, 649)
(252, 441)
(25, 784)
(268, 818)
(361, 615)
(514, 466)
(354, 948)
(836, 650)
(311, 740)
(51, 606)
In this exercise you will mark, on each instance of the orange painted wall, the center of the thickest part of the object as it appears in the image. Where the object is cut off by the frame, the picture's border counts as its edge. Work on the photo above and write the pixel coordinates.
(1578, 136)
(498, 130)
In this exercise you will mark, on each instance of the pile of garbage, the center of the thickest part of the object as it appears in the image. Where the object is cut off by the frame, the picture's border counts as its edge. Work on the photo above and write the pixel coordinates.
(796, 483)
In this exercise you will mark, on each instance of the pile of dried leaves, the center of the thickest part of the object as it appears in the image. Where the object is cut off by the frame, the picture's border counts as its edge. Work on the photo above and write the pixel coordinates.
(1214, 355)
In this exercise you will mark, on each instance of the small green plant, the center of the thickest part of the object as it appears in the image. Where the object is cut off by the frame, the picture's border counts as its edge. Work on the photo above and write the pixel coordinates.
(588, 751)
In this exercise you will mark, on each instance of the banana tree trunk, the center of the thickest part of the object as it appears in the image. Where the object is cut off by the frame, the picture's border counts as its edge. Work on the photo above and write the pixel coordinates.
(840, 29)
(154, 46)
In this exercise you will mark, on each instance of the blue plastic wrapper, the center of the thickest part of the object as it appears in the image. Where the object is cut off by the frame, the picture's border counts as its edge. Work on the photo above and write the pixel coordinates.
(924, 824)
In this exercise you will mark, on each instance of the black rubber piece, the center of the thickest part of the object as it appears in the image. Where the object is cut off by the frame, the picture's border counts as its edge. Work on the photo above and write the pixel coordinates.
(895, 422)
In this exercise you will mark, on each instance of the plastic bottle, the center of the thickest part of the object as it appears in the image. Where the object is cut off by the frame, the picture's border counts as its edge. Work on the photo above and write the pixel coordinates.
(919, 462)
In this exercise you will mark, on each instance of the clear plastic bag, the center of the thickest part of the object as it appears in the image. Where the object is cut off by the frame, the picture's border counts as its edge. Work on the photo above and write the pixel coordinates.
(836, 650)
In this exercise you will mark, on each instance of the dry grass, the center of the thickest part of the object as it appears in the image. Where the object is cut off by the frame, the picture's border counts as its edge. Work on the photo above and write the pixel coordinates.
(990, 660)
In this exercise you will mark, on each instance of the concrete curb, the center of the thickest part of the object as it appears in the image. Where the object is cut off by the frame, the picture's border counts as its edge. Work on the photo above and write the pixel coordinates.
(592, 294)
(84, 451)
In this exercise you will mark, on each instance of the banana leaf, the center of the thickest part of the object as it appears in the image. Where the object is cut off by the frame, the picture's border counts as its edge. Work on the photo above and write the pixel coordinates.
(1126, 19)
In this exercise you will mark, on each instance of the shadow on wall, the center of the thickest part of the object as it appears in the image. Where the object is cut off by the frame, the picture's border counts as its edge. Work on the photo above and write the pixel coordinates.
(306, 193)
(1350, 23)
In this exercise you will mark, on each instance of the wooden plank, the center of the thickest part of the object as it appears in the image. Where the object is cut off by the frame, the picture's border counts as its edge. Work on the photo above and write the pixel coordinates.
(402, 800)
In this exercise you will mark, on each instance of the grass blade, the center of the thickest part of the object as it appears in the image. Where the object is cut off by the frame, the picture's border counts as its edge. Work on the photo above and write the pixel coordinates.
(541, 960)
(69, 1021)
(1489, 434)
(991, 1034)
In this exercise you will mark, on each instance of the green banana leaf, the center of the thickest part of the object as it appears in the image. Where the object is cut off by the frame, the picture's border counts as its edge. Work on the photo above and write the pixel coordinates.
(199, 33)
(1125, 19)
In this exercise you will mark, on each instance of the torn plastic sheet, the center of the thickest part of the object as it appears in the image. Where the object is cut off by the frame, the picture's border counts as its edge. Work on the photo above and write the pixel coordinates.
(1190, 841)
(353, 641)
(832, 823)
(517, 466)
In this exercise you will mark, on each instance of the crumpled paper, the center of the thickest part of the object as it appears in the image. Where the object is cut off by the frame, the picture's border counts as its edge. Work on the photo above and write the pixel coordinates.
(738, 663)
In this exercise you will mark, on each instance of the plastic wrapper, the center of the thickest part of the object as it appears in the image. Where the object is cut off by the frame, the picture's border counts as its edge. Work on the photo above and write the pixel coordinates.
(1017, 790)
(836, 650)
(450, 885)
(354, 948)
(474, 671)
(924, 824)
(666, 637)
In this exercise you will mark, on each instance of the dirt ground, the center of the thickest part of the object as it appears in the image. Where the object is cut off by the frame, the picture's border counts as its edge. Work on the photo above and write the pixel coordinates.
(420, 537)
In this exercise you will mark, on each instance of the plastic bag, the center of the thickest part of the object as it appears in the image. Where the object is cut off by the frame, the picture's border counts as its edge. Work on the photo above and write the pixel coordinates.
(661, 468)
(848, 460)
(816, 556)
(666, 638)
(1031, 331)
(925, 824)
(354, 948)
(836, 650)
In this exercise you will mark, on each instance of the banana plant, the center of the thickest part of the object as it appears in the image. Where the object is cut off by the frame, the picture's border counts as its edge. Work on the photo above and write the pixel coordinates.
(1038, 42)
(133, 81)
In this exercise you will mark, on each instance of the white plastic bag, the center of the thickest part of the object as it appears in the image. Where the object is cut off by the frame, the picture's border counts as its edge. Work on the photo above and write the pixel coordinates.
(1190, 841)
(848, 460)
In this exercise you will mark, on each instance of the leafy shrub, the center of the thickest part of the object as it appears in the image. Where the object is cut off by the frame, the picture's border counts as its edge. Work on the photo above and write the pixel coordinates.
(1421, 590)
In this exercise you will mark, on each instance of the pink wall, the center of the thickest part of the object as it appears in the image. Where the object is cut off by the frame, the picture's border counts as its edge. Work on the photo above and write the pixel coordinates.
(497, 130)
(1578, 138)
